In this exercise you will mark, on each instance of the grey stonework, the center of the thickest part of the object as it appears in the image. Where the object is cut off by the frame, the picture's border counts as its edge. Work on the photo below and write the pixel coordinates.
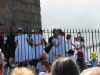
(15, 13)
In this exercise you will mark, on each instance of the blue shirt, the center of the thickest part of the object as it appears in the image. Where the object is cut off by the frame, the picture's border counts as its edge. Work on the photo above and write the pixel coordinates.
(94, 63)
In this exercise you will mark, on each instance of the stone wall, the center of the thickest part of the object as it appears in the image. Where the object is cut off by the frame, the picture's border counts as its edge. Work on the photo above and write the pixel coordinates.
(15, 13)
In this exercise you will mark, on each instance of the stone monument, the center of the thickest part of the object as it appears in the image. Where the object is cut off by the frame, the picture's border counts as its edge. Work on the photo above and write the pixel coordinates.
(15, 13)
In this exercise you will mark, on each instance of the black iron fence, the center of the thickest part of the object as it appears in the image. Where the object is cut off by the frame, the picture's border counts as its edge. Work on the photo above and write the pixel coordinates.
(91, 42)
(91, 37)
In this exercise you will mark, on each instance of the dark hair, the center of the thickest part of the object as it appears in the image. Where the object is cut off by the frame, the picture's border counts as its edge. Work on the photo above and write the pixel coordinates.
(54, 30)
(71, 52)
(68, 36)
(40, 31)
(60, 32)
(75, 38)
(64, 66)
(82, 39)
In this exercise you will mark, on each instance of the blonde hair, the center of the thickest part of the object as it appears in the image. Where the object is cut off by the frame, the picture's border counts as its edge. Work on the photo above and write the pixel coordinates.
(91, 71)
(22, 71)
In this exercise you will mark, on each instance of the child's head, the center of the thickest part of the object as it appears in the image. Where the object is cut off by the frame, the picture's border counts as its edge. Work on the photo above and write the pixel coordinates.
(80, 54)
(70, 53)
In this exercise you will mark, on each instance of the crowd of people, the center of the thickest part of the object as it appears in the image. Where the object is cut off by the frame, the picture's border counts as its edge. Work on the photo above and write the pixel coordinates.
(32, 50)
(61, 66)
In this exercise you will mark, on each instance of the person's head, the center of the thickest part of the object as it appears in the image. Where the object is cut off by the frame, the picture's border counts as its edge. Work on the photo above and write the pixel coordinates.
(54, 31)
(22, 71)
(80, 54)
(32, 32)
(60, 32)
(91, 71)
(36, 30)
(79, 34)
(43, 56)
(20, 30)
(75, 39)
(82, 39)
(41, 31)
(68, 36)
(64, 66)
(70, 53)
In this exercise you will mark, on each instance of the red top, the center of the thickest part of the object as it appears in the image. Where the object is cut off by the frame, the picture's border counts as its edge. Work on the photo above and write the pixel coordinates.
(49, 70)
(1, 70)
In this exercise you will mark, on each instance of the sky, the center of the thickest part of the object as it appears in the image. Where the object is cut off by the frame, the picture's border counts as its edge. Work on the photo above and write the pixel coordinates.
(70, 13)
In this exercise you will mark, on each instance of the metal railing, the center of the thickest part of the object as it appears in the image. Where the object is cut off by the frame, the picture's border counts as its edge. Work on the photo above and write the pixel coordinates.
(91, 37)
